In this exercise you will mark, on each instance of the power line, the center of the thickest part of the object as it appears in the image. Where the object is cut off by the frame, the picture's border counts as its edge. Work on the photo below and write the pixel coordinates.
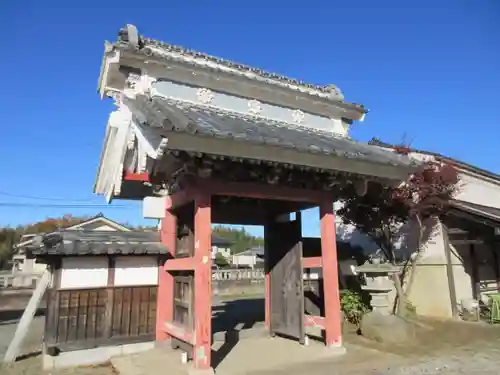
(48, 205)
(43, 198)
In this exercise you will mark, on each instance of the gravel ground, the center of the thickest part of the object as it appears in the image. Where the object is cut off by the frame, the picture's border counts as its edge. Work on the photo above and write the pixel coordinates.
(32, 343)
(444, 348)
(463, 361)
(440, 347)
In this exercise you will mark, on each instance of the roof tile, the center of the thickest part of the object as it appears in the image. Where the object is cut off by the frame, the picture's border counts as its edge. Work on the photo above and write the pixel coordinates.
(190, 118)
(157, 48)
(67, 243)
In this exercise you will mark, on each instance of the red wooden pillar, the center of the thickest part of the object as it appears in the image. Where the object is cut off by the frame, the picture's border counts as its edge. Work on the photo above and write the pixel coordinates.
(165, 293)
(330, 275)
(267, 279)
(202, 282)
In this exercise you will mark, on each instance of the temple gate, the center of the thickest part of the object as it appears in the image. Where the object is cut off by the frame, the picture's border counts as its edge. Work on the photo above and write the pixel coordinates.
(203, 140)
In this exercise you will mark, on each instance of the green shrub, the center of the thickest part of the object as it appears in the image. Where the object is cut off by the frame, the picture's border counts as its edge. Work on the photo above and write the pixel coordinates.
(352, 306)
(220, 261)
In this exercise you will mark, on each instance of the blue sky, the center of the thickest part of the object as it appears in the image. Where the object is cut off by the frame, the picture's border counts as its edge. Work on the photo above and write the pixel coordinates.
(429, 73)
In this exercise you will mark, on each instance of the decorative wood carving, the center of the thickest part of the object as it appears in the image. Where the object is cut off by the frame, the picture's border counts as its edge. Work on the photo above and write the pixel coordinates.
(254, 107)
(185, 232)
(132, 80)
(196, 165)
(298, 116)
(205, 95)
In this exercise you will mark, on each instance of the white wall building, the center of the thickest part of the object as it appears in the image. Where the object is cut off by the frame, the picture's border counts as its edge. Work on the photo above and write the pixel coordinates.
(25, 264)
(477, 200)
(249, 258)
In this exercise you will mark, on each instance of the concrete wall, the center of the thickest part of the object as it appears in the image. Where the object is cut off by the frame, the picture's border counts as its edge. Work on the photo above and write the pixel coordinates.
(238, 282)
(430, 291)
(239, 288)
(16, 279)
(17, 299)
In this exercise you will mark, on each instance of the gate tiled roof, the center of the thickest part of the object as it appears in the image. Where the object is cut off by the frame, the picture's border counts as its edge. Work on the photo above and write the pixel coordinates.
(189, 118)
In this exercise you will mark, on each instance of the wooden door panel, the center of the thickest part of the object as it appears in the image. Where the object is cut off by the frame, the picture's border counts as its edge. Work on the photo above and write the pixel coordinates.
(286, 285)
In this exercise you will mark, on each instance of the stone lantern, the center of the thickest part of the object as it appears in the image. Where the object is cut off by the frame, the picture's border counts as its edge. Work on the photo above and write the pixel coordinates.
(378, 284)
(380, 324)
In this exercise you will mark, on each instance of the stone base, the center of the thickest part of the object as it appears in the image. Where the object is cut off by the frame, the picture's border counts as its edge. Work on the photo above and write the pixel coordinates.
(337, 349)
(194, 371)
(387, 328)
(93, 356)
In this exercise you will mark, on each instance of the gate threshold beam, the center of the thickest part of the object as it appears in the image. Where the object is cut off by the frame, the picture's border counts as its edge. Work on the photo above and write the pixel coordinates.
(314, 321)
(180, 264)
(312, 262)
(179, 332)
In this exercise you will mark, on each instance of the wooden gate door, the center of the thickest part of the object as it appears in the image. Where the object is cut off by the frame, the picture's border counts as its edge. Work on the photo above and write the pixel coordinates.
(284, 260)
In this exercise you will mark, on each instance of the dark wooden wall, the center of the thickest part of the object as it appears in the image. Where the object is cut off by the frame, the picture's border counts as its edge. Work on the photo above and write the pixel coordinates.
(86, 318)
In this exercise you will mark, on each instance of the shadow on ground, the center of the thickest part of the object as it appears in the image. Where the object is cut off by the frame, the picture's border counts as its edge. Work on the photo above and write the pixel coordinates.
(231, 320)
(11, 316)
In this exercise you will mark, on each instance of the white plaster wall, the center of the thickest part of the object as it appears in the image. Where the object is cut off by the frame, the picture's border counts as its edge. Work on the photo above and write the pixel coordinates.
(478, 190)
(420, 157)
(98, 226)
(29, 265)
(472, 188)
(104, 228)
(237, 104)
(136, 270)
(84, 272)
(39, 267)
(244, 260)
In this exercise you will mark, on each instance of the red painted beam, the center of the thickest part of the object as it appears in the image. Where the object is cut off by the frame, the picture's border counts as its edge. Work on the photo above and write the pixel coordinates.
(267, 306)
(165, 294)
(314, 321)
(267, 269)
(203, 281)
(262, 191)
(179, 332)
(131, 176)
(180, 264)
(180, 199)
(312, 262)
(333, 331)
